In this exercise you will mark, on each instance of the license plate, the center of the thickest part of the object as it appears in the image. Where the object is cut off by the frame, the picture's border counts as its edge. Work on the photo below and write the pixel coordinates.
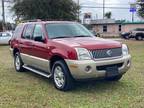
(112, 71)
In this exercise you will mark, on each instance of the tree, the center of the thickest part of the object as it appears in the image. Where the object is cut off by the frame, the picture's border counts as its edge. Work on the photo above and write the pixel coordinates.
(141, 8)
(8, 25)
(108, 15)
(46, 9)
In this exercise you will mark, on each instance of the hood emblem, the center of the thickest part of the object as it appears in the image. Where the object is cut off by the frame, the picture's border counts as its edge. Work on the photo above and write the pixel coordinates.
(109, 52)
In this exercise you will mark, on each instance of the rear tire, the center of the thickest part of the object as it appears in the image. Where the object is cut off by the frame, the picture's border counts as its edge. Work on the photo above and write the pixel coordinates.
(139, 37)
(18, 63)
(115, 78)
(62, 78)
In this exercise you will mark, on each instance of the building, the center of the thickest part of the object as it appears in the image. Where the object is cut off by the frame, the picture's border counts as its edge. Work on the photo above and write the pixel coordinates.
(111, 27)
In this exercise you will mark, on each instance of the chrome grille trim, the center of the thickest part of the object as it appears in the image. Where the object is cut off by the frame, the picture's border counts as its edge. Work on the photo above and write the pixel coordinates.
(106, 53)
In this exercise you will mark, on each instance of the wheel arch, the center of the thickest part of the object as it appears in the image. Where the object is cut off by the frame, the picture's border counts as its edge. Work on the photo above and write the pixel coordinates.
(55, 58)
(15, 50)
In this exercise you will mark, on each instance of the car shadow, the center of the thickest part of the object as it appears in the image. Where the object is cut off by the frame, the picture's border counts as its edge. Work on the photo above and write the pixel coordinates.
(34, 75)
(100, 85)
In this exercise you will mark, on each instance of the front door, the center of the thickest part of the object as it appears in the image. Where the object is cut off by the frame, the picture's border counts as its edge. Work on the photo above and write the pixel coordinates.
(40, 51)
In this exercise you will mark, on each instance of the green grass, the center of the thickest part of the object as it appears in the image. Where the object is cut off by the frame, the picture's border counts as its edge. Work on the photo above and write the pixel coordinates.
(27, 90)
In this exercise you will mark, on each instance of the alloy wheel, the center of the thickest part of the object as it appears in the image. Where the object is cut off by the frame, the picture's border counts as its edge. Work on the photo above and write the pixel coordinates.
(59, 77)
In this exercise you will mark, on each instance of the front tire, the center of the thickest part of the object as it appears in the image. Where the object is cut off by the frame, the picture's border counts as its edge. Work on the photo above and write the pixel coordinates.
(61, 76)
(18, 63)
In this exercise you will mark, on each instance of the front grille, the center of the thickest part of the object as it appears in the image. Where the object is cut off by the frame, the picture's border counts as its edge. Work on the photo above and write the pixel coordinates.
(106, 53)
(101, 68)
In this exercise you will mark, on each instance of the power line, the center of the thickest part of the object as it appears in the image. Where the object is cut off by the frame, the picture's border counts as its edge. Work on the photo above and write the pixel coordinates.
(109, 4)
(112, 4)
(105, 7)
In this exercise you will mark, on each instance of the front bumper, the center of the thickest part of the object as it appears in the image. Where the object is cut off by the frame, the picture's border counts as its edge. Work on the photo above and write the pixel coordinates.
(78, 67)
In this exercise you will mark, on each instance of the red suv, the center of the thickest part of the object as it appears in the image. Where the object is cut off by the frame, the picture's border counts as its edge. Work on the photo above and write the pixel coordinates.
(66, 52)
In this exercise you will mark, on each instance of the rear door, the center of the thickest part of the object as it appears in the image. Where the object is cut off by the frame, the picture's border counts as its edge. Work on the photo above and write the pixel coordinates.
(26, 44)
(40, 51)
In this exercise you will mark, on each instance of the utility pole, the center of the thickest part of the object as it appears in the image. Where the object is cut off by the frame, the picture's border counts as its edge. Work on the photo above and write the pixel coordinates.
(103, 9)
(78, 11)
(3, 15)
(132, 16)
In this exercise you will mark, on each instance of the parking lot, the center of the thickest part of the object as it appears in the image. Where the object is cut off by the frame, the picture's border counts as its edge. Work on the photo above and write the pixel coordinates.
(27, 90)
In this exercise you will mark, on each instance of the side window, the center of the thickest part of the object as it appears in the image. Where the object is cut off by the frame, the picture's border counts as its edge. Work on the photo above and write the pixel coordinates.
(18, 31)
(104, 28)
(6, 35)
(28, 31)
(0, 34)
(120, 28)
(38, 33)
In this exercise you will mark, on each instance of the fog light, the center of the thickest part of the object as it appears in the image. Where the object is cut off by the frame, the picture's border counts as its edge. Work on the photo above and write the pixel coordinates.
(88, 69)
(128, 63)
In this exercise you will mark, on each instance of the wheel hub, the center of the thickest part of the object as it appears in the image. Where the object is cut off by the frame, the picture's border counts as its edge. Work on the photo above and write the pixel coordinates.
(17, 63)
(59, 77)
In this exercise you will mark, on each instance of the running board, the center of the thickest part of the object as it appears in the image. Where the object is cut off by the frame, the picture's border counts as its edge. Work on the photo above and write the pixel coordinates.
(37, 72)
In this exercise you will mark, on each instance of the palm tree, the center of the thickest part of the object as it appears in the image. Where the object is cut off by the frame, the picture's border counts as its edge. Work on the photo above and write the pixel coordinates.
(108, 15)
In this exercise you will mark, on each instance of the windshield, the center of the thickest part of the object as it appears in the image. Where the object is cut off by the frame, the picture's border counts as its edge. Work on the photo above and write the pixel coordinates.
(139, 29)
(5, 35)
(67, 30)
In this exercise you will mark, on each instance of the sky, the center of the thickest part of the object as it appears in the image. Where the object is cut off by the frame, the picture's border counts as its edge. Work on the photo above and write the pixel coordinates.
(97, 13)
(117, 14)
(8, 13)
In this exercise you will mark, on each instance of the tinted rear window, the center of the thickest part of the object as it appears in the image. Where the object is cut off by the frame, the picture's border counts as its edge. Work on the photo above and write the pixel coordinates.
(6, 35)
(18, 30)
(28, 31)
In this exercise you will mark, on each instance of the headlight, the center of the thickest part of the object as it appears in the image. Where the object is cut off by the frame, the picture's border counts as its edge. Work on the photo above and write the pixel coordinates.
(83, 54)
(125, 50)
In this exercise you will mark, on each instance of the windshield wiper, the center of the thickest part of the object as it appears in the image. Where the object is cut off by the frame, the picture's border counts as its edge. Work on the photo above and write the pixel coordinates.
(82, 36)
(70, 36)
(59, 37)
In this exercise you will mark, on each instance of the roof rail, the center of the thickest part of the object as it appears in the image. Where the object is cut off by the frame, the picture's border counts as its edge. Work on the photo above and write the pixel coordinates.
(34, 20)
(39, 20)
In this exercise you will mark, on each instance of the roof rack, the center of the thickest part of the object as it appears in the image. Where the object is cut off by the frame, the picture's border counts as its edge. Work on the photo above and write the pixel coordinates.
(39, 20)
(34, 20)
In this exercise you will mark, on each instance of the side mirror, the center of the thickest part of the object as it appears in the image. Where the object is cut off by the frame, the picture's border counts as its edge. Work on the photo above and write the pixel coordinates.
(39, 39)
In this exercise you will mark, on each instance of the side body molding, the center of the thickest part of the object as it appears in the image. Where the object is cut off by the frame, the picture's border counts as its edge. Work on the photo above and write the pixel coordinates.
(36, 62)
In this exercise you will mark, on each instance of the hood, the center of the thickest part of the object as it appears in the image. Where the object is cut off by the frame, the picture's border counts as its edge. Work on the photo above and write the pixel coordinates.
(89, 43)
